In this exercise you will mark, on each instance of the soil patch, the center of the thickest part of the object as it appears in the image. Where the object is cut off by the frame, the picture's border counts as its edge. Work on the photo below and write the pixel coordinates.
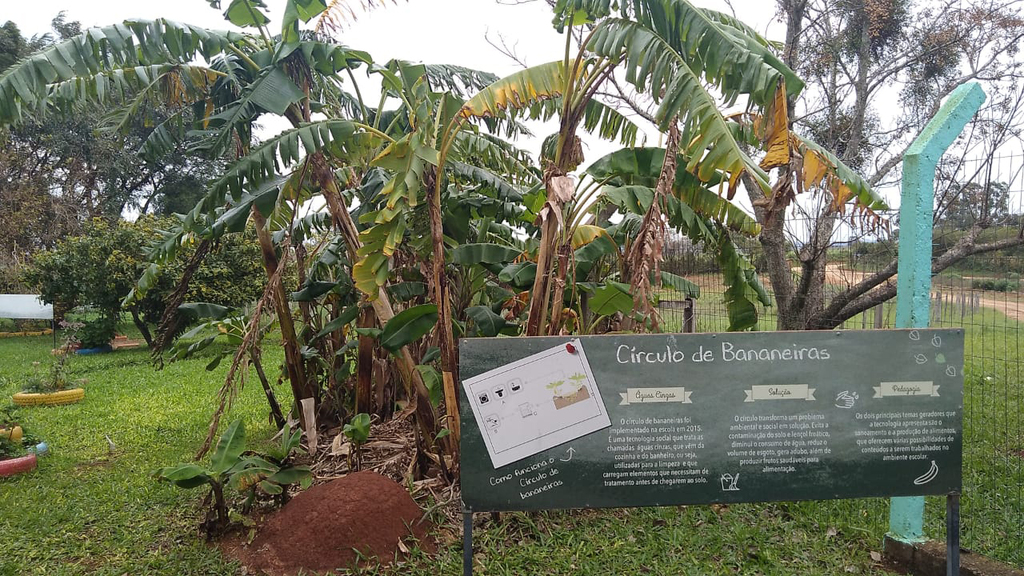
(337, 525)
(929, 559)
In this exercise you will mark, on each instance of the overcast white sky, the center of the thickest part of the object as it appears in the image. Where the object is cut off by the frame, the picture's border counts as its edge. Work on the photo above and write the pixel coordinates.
(438, 31)
(433, 31)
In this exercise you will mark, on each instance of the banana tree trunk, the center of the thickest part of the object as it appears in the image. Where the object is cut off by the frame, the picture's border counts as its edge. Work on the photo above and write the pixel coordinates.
(364, 364)
(293, 358)
(168, 327)
(275, 408)
(411, 379)
(559, 189)
(558, 299)
(141, 325)
(449, 358)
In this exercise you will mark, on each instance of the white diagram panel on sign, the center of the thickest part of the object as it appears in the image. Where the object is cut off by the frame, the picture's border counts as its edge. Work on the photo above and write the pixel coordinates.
(536, 403)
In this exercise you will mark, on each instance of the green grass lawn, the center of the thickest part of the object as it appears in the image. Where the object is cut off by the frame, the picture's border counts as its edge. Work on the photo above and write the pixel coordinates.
(993, 436)
(86, 511)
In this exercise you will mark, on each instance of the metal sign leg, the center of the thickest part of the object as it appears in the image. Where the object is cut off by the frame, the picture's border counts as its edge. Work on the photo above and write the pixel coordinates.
(953, 534)
(467, 543)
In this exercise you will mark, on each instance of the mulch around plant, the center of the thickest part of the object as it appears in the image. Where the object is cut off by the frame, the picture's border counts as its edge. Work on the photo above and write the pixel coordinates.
(321, 529)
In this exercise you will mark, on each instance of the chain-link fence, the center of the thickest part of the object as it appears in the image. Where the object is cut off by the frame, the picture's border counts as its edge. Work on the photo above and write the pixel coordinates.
(979, 201)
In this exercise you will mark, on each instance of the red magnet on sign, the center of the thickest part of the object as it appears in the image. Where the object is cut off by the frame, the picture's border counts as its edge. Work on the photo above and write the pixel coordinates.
(570, 348)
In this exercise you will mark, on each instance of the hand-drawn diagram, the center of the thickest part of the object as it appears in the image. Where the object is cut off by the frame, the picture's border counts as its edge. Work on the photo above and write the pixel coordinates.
(569, 391)
(536, 403)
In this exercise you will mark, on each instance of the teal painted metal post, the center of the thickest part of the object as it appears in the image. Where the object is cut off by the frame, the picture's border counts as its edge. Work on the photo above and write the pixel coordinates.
(914, 283)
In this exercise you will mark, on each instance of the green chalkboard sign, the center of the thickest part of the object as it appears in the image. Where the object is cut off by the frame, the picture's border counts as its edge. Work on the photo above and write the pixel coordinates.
(667, 419)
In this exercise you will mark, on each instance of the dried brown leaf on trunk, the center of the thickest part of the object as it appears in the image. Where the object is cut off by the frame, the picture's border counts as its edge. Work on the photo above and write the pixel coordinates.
(645, 256)
(342, 13)
(773, 130)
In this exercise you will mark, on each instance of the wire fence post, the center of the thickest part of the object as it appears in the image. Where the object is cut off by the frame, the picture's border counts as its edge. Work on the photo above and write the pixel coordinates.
(914, 280)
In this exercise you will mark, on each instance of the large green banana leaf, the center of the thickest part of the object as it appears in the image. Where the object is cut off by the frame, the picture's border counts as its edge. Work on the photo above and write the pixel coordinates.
(654, 66)
(642, 166)
(25, 86)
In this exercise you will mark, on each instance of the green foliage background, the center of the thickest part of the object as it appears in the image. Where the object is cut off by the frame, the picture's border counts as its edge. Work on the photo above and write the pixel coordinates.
(101, 266)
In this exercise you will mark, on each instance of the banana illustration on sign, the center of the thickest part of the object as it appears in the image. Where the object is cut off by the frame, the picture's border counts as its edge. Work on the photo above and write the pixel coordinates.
(927, 476)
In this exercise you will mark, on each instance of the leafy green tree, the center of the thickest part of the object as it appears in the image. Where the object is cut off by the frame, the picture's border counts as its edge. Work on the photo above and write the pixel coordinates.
(57, 171)
(12, 44)
(973, 203)
(100, 267)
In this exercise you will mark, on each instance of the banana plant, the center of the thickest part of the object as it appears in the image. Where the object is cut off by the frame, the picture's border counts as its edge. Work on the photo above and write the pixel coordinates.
(228, 81)
(669, 50)
(627, 179)
(484, 177)
(375, 165)
(232, 467)
(810, 168)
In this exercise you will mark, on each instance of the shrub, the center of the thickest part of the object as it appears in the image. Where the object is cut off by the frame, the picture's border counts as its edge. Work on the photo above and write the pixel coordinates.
(98, 332)
(100, 267)
(1001, 285)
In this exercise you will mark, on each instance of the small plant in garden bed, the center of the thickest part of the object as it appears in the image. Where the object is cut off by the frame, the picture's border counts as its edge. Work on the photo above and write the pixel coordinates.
(10, 449)
(358, 432)
(12, 434)
(249, 473)
(45, 382)
(44, 386)
(17, 446)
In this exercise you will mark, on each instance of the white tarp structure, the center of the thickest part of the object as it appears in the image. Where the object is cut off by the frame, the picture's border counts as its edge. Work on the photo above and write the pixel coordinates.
(24, 306)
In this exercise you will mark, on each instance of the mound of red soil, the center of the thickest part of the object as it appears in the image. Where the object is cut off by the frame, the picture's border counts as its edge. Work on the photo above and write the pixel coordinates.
(322, 528)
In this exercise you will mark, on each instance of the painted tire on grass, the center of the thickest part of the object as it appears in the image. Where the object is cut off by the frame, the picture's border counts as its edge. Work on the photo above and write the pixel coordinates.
(51, 399)
(17, 465)
(46, 332)
(14, 434)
